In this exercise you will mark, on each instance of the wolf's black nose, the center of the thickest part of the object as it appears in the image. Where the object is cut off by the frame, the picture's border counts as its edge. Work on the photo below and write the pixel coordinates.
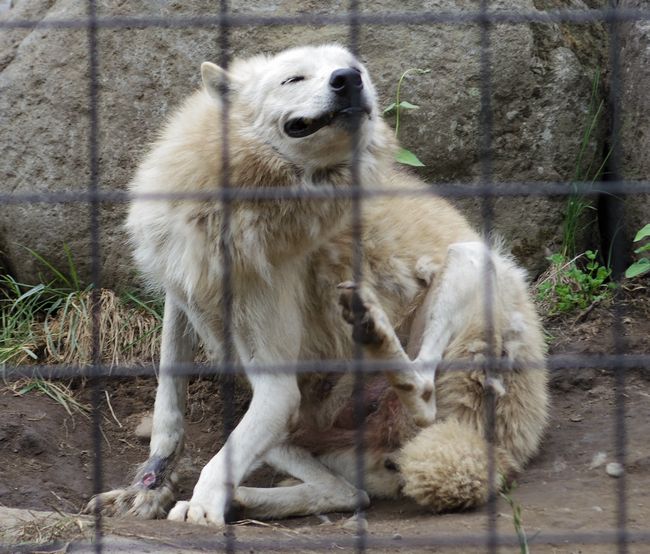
(345, 81)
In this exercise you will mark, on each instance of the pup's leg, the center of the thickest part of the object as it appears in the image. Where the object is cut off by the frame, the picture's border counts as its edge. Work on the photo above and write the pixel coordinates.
(321, 491)
(446, 466)
(372, 329)
(453, 300)
(151, 493)
(275, 401)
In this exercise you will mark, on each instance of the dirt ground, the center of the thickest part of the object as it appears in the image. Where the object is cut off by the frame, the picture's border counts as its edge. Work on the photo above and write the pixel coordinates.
(47, 470)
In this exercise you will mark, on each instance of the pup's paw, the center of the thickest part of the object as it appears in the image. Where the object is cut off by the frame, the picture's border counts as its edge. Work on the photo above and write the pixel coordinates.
(423, 406)
(133, 501)
(362, 310)
(194, 511)
(426, 269)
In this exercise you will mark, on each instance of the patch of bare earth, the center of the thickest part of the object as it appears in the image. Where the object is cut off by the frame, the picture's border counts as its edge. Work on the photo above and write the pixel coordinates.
(47, 465)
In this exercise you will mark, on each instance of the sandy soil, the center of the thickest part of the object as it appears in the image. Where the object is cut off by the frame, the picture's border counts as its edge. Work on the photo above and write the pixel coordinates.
(47, 465)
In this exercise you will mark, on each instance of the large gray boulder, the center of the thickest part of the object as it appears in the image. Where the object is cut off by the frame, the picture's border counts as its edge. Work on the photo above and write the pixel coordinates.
(635, 104)
(541, 79)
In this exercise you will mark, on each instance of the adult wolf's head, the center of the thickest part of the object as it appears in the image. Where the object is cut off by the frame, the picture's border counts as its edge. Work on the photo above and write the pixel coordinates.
(309, 103)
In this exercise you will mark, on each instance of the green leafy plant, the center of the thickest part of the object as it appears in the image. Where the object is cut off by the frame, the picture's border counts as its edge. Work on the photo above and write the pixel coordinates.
(642, 265)
(573, 284)
(403, 155)
(517, 519)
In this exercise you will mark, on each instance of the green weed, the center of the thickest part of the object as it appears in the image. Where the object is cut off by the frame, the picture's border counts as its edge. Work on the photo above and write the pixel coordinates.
(403, 155)
(517, 519)
(642, 265)
(577, 203)
(573, 284)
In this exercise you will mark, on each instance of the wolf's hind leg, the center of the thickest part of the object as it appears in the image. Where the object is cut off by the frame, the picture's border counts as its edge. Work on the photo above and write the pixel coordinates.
(152, 491)
(320, 492)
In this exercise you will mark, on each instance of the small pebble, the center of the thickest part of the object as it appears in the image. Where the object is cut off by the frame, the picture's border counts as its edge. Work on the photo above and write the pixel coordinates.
(614, 469)
(143, 430)
(397, 537)
(356, 523)
(598, 460)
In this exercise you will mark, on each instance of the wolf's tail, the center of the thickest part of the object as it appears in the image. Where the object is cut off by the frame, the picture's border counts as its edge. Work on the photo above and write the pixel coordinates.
(445, 467)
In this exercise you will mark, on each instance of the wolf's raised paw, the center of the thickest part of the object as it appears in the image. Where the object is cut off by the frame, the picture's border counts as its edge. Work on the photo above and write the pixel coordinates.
(361, 310)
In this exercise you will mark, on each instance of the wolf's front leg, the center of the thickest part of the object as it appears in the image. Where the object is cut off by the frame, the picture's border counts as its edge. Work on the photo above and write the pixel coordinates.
(275, 402)
(152, 491)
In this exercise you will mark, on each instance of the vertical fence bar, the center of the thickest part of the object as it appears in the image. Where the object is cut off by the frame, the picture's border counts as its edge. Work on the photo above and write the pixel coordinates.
(93, 189)
(357, 272)
(487, 213)
(615, 221)
(227, 379)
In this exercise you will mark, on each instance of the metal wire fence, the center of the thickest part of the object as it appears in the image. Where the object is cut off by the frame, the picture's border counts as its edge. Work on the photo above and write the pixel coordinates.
(619, 361)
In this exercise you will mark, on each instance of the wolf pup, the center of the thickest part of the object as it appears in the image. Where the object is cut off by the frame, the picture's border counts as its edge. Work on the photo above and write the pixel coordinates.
(294, 120)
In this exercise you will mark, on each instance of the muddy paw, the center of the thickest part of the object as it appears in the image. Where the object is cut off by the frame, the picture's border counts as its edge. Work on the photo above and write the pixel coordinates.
(149, 496)
(133, 501)
(200, 513)
(361, 311)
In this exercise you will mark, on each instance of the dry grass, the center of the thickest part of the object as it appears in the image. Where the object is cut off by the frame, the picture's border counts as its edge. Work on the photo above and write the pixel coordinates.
(35, 529)
(58, 391)
(45, 325)
(128, 334)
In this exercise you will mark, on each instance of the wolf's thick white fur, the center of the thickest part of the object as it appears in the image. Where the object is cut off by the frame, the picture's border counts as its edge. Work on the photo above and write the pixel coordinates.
(422, 298)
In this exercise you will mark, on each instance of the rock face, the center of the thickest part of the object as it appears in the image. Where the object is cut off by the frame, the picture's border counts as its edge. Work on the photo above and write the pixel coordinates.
(542, 78)
(635, 132)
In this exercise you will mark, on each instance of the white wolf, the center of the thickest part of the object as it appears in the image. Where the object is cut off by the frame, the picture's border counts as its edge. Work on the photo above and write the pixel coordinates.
(422, 300)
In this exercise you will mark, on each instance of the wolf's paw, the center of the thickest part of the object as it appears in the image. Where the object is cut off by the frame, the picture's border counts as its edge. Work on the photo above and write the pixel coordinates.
(198, 512)
(149, 496)
(133, 501)
(361, 309)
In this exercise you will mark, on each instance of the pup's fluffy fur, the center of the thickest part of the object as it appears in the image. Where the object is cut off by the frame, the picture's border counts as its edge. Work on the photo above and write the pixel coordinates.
(425, 272)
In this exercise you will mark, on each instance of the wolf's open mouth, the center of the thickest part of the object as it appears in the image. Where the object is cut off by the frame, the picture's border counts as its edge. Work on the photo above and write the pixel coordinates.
(300, 127)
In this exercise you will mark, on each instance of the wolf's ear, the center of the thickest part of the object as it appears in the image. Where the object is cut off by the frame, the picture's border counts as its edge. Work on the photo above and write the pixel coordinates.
(216, 80)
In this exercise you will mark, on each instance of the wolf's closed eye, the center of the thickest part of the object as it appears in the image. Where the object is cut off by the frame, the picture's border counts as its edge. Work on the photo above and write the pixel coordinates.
(293, 79)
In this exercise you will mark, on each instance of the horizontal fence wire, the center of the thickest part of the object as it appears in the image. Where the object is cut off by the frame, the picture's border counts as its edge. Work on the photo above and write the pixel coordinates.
(425, 541)
(470, 17)
(487, 189)
(252, 194)
(555, 364)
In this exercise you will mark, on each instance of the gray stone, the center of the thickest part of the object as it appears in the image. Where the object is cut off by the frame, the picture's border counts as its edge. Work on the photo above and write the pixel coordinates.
(635, 104)
(614, 469)
(541, 84)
